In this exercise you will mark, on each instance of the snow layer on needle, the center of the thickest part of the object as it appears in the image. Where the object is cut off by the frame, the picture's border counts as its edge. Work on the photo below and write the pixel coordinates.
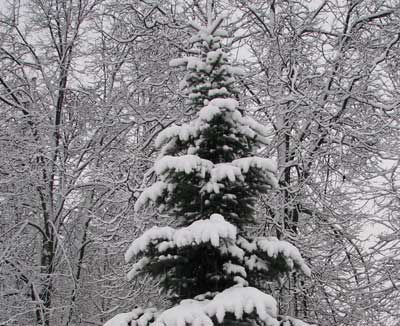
(246, 163)
(256, 126)
(183, 132)
(185, 163)
(225, 171)
(246, 245)
(247, 125)
(253, 129)
(187, 312)
(217, 106)
(197, 64)
(255, 263)
(202, 35)
(202, 231)
(273, 247)
(208, 112)
(124, 318)
(151, 193)
(136, 268)
(141, 244)
(145, 319)
(268, 165)
(218, 92)
(231, 268)
(239, 300)
(235, 251)
(227, 103)
(220, 172)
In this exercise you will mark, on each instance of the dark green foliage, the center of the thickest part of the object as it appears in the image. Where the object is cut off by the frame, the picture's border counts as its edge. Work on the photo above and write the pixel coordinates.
(219, 143)
(191, 271)
(222, 142)
(235, 201)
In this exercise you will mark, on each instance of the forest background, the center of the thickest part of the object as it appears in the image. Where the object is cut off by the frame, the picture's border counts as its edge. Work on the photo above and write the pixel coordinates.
(86, 86)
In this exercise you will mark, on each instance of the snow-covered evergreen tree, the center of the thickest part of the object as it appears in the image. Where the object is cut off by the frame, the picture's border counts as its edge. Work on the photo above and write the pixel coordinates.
(208, 181)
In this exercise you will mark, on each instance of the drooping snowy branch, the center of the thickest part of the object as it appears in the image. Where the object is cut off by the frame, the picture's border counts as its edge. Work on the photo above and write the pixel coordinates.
(151, 194)
(228, 108)
(237, 301)
(243, 300)
(268, 166)
(273, 248)
(188, 312)
(186, 163)
(211, 174)
(246, 163)
(138, 267)
(137, 317)
(212, 230)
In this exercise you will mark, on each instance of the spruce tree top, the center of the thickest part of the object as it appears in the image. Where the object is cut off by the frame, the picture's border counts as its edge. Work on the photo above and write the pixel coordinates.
(208, 180)
(210, 75)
